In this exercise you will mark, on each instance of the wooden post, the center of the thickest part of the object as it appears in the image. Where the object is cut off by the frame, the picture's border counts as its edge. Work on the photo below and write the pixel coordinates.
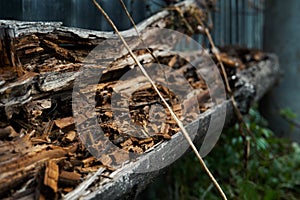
(10, 66)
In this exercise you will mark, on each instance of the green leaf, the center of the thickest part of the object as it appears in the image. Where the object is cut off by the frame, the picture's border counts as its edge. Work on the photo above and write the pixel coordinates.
(288, 113)
(271, 194)
(262, 144)
(248, 190)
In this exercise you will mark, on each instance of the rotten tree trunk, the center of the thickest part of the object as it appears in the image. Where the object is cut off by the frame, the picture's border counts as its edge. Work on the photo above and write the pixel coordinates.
(39, 146)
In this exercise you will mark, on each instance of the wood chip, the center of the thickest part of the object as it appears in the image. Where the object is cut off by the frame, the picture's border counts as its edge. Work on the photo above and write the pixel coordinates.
(147, 140)
(258, 56)
(135, 149)
(69, 175)
(176, 107)
(69, 178)
(8, 131)
(70, 136)
(108, 114)
(172, 61)
(147, 146)
(127, 143)
(87, 162)
(87, 169)
(34, 50)
(67, 189)
(164, 128)
(51, 175)
(64, 122)
(231, 61)
(59, 50)
(164, 135)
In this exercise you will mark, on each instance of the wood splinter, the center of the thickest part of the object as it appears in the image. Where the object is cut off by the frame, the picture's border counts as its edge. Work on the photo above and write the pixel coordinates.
(10, 65)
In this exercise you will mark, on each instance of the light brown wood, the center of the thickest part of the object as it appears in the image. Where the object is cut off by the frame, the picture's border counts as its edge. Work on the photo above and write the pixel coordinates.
(10, 66)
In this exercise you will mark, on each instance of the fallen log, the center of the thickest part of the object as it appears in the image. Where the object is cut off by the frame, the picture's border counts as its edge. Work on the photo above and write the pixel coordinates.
(48, 48)
(39, 146)
(247, 91)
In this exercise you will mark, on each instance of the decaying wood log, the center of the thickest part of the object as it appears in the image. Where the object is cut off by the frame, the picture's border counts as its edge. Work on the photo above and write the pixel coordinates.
(49, 49)
(118, 187)
(40, 152)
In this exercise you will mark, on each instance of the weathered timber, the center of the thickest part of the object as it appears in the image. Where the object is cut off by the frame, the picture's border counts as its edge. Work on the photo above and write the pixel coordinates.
(24, 164)
(50, 49)
(35, 105)
(248, 90)
(39, 147)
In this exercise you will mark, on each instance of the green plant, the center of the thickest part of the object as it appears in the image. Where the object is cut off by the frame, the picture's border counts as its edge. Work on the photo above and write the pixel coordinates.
(288, 113)
(290, 117)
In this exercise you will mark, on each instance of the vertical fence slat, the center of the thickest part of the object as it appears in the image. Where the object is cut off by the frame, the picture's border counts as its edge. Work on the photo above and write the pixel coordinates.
(238, 22)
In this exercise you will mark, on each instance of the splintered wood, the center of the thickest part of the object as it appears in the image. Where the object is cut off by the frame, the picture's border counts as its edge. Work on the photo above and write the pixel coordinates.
(41, 154)
(39, 145)
(51, 175)
(10, 66)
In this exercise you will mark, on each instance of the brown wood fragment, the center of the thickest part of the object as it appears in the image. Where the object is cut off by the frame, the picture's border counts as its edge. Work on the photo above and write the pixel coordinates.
(164, 128)
(147, 140)
(7, 132)
(59, 50)
(126, 143)
(51, 175)
(35, 50)
(27, 42)
(24, 166)
(70, 136)
(135, 149)
(70, 175)
(172, 61)
(87, 162)
(69, 178)
(47, 130)
(9, 62)
(108, 114)
(258, 56)
(64, 122)
(67, 189)
(85, 170)
(176, 107)
(164, 135)
(231, 61)
(20, 145)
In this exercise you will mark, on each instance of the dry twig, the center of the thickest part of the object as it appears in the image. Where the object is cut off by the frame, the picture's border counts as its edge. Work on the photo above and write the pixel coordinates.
(75, 194)
(242, 123)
